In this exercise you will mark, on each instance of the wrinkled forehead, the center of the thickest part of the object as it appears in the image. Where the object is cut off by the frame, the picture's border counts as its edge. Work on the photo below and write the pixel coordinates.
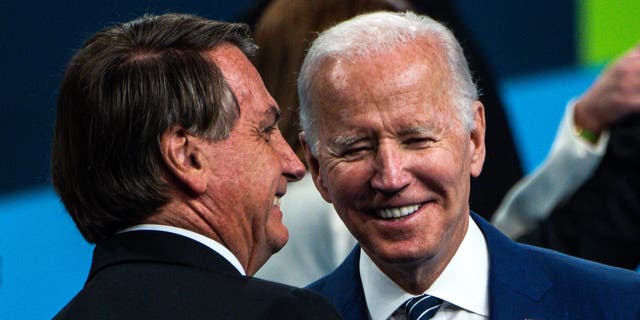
(238, 71)
(410, 70)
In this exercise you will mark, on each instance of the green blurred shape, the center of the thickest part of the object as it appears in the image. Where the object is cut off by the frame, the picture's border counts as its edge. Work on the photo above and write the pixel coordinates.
(606, 29)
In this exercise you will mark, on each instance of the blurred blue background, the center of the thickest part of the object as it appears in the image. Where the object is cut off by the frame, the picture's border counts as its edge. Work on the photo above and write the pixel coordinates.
(532, 47)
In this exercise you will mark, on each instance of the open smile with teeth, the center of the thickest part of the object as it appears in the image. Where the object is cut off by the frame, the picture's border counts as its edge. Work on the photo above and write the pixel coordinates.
(276, 201)
(397, 212)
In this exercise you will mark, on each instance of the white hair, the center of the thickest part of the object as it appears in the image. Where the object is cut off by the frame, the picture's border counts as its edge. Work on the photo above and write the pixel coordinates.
(380, 32)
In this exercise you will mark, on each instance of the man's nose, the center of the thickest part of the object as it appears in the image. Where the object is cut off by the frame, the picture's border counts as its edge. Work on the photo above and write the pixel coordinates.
(292, 167)
(390, 169)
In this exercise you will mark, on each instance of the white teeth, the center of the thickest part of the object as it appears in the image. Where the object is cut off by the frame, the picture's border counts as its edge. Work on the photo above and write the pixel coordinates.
(391, 213)
(276, 201)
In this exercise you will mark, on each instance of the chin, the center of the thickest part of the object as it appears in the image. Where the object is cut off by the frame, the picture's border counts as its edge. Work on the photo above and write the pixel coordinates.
(406, 258)
(401, 254)
(279, 238)
(278, 247)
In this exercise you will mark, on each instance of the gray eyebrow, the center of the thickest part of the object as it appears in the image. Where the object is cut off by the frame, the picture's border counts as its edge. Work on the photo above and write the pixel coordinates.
(425, 128)
(416, 129)
(346, 140)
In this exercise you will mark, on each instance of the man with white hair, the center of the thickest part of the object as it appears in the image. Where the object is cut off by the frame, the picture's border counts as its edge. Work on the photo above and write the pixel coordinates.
(393, 131)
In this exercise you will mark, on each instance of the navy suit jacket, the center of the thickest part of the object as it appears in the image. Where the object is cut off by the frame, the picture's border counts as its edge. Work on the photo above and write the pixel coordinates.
(525, 282)
(160, 275)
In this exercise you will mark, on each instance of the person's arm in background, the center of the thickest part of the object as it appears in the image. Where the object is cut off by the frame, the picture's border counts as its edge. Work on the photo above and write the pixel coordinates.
(570, 162)
(578, 148)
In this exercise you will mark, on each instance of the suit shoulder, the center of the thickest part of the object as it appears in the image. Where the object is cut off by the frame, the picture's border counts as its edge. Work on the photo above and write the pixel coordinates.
(289, 302)
(584, 273)
(342, 279)
(319, 284)
(303, 304)
(171, 291)
(338, 286)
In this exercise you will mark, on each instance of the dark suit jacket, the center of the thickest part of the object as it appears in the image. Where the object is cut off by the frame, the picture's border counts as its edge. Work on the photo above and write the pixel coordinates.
(159, 275)
(601, 221)
(524, 282)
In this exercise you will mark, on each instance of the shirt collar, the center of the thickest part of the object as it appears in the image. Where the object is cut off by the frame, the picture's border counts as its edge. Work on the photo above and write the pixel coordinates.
(464, 282)
(214, 245)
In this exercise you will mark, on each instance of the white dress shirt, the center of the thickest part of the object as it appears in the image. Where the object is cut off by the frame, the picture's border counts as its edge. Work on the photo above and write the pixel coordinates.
(214, 245)
(463, 285)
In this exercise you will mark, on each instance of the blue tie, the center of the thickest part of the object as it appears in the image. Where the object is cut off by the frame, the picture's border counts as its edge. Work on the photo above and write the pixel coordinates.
(422, 307)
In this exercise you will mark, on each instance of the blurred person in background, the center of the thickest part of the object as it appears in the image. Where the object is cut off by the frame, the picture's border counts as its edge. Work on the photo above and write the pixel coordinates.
(584, 200)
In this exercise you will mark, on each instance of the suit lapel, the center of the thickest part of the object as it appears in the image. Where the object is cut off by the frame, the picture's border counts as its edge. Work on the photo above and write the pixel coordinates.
(159, 247)
(517, 282)
(344, 288)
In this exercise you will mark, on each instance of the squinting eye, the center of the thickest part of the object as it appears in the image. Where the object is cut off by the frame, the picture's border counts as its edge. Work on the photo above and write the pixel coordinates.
(418, 142)
(268, 132)
(357, 152)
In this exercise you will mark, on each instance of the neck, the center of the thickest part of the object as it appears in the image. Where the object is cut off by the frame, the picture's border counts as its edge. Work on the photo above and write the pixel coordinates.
(203, 216)
(185, 216)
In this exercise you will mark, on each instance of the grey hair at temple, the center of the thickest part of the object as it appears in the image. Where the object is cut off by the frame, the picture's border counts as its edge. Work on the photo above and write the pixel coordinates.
(380, 32)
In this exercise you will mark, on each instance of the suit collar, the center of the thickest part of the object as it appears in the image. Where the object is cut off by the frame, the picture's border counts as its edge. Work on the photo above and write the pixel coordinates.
(467, 272)
(158, 247)
(214, 245)
(343, 288)
(516, 279)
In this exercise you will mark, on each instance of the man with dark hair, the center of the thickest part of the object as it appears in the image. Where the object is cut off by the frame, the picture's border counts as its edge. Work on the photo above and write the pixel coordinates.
(168, 156)
(393, 131)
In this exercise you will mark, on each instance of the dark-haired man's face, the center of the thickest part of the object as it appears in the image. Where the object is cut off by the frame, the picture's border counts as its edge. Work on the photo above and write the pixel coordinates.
(250, 169)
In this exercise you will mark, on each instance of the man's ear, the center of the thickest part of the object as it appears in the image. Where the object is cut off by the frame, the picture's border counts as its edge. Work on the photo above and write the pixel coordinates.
(314, 167)
(476, 140)
(183, 158)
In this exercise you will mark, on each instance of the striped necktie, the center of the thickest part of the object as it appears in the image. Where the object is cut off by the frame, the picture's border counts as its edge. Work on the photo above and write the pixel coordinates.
(422, 307)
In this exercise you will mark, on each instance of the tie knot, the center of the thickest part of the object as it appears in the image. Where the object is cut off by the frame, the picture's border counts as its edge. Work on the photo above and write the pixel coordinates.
(422, 307)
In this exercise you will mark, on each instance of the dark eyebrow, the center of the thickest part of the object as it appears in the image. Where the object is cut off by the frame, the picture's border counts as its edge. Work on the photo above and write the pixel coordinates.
(272, 115)
(276, 112)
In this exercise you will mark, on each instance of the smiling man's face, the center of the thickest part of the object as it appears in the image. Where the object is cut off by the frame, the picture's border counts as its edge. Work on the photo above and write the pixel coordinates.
(393, 158)
(250, 169)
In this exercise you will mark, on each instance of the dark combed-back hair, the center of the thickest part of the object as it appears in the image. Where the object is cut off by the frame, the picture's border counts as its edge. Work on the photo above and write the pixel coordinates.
(125, 87)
